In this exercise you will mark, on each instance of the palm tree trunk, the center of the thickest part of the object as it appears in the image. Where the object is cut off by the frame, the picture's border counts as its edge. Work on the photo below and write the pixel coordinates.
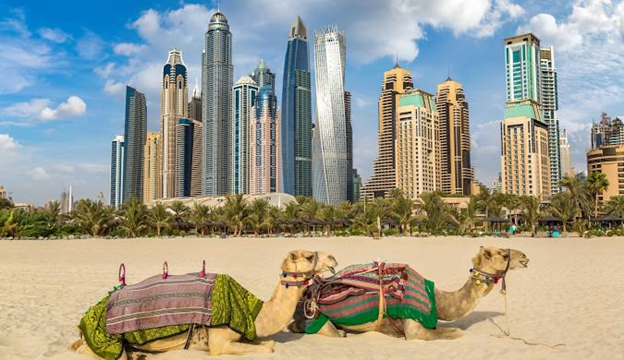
(596, 207)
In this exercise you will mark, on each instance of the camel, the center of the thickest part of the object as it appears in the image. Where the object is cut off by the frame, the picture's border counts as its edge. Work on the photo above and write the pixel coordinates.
(298, 269)
(489, 264)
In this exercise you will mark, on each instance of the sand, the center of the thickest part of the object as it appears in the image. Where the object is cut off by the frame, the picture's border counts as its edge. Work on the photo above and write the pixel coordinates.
(572, 293)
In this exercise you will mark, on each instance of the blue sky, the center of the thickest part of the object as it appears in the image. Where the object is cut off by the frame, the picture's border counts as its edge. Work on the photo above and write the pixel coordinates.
(66, 64)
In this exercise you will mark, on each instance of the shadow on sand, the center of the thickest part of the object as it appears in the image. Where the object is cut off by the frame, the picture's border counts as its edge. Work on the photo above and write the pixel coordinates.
(285, 337)
(474, 318)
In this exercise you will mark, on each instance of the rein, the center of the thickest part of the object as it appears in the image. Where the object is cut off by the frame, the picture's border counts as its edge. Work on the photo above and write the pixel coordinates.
(483, 277)
(306, 276)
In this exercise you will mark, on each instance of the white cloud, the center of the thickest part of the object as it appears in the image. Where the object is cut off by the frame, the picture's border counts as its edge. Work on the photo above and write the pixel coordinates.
(562, 36)
(128, 49)
(8, 143)
(40, 110)
(90, 46)
(105, 70)
(39, 174)
(54, 35)
(114, 88)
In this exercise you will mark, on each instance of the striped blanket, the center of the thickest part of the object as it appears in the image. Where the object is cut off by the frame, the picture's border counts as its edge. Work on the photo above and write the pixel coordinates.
(351, 297)
(156, 302)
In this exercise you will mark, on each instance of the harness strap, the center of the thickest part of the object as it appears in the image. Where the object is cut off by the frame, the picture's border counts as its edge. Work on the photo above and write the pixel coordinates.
(380, 268)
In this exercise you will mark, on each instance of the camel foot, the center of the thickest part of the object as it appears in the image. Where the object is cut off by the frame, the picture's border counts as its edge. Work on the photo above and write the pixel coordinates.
(448, 333)
(414, 331)
(269, 345)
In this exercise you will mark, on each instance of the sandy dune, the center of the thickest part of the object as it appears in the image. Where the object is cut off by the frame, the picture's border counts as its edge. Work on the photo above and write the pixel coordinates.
(572, 293)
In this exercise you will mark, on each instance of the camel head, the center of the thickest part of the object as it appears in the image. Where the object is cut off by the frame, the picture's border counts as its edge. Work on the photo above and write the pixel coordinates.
(308, 262)
(494, 260)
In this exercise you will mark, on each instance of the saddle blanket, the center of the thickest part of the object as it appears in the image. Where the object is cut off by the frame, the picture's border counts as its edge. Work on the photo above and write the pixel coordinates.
(351, 297)
(156, 302)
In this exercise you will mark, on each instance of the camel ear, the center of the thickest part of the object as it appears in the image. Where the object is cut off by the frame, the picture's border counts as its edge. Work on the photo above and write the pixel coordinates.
(293, 255)
(487, 254)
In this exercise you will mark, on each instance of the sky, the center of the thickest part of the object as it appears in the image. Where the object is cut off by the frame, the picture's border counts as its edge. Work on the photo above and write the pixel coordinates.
(66, 64)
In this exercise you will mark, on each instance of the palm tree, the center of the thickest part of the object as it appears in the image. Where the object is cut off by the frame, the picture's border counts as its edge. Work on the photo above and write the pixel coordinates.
(159, 218)
(597, 183)
(615, 205)
(199, 216)
(258, 210)
(403, 210)
(563, 207)
(272, 219)
(380, 209)
(290, 214)
(328, 214)
(438, 214)
(133, 216)
(52, 211)
(309, 210)
(11, 225)
(235, 210)
(468, 217)
(531, 211)
(179, 211)
(93, 216)
(579, 194)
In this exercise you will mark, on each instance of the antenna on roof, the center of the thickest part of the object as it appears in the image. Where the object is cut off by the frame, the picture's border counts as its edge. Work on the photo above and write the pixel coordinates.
(218, 6)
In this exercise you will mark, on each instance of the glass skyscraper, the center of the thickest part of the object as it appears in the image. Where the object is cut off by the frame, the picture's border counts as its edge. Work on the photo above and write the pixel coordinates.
(116, 171)
(262, 75)
(330, 149)
(243, 101)
(135, 137)
(297, 114)
(550, 105)
(217, 81)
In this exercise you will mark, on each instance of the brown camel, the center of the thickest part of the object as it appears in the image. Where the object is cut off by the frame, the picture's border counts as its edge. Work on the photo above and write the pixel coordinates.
(274, 316)
(488, 264)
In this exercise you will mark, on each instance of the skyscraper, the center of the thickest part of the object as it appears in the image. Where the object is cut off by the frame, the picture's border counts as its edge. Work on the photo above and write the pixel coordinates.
(265, 139)
(188, 158)
(329, 160)
(262, 75)
(297, 114)
(195, 104)
(116, 171)
(395, 82)
(66, 201)
(152, 188)
(173, 106)
(525, 164)
(349, 127)
(457, 173)
(418, 164)
(135, 136)
(564, 151)
(243, 101)
(550, 105)
(217, 79)
(522, 68)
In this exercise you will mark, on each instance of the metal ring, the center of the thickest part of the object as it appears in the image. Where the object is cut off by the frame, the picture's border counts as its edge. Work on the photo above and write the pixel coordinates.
(122, 275)
(165, 273)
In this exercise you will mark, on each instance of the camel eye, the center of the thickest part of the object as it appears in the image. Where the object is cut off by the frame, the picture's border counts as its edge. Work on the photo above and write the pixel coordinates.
(310, 258)
(505, 256)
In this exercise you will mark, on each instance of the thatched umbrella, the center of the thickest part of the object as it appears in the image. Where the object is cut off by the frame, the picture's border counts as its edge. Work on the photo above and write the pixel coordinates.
(496, 220)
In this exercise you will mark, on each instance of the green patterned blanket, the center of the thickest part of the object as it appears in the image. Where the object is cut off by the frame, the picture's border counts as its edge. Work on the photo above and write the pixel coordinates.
(232, 306)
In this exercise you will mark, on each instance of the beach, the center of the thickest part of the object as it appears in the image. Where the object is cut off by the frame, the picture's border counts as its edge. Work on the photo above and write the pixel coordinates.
(572, 293)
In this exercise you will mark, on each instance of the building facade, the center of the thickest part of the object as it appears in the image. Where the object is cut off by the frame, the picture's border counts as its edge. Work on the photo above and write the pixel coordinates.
(395, 82)
(564, 153)
(244, 96)
(550, 105)
(134, 143)
(217, 81)
(522, 68)
(349, 127)
(297, 114)
(116, 171)
(195, 104)
(457, 172)
(66, 201)
(152, 188)
(417, 148)
(608, 160)
(607, 132)
(262, 75)
(188, 158)
(525, 162)
(265, 139)
(330, 173)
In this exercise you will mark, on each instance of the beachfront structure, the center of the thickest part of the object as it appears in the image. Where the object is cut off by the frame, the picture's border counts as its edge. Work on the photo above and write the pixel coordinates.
(116, 171)
(417, 149)
(264, 140)
(244, 95)
(262, 75)
(608, 160)
(134, 142)
(522, 68)
(525, 163)
(329, 160)
(297, 114)
(217, 81)
(188, 158)
(550, 105)
(395, 82)
(173, 106)
(152, 188)
(457, 172)
(564, 153)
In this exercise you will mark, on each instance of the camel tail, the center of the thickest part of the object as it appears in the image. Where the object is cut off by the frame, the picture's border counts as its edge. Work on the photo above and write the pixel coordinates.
(76, 345)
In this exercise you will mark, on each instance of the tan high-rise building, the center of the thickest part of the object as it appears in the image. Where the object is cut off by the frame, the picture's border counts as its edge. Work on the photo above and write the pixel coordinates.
(395, 82)
(418, 165)
(457, 172)
(564, 151)
(607, 160)
(173, 107)
(151, 168)
(265, 144)
(525, 164)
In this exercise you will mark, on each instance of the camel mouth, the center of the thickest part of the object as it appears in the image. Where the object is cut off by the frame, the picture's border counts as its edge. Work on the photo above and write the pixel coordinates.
(524, 263)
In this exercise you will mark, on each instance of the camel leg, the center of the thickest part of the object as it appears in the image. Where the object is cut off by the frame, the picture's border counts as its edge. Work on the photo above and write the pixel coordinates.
(414, 331)
(223, 341)
(330, 330)
(81, 347)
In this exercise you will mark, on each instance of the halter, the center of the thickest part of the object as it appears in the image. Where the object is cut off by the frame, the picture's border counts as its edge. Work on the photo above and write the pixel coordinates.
(305, 275)
(481, 276)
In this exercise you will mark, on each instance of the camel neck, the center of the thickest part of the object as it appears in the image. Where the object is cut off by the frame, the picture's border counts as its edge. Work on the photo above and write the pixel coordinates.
(277, 312)
(452, 305)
